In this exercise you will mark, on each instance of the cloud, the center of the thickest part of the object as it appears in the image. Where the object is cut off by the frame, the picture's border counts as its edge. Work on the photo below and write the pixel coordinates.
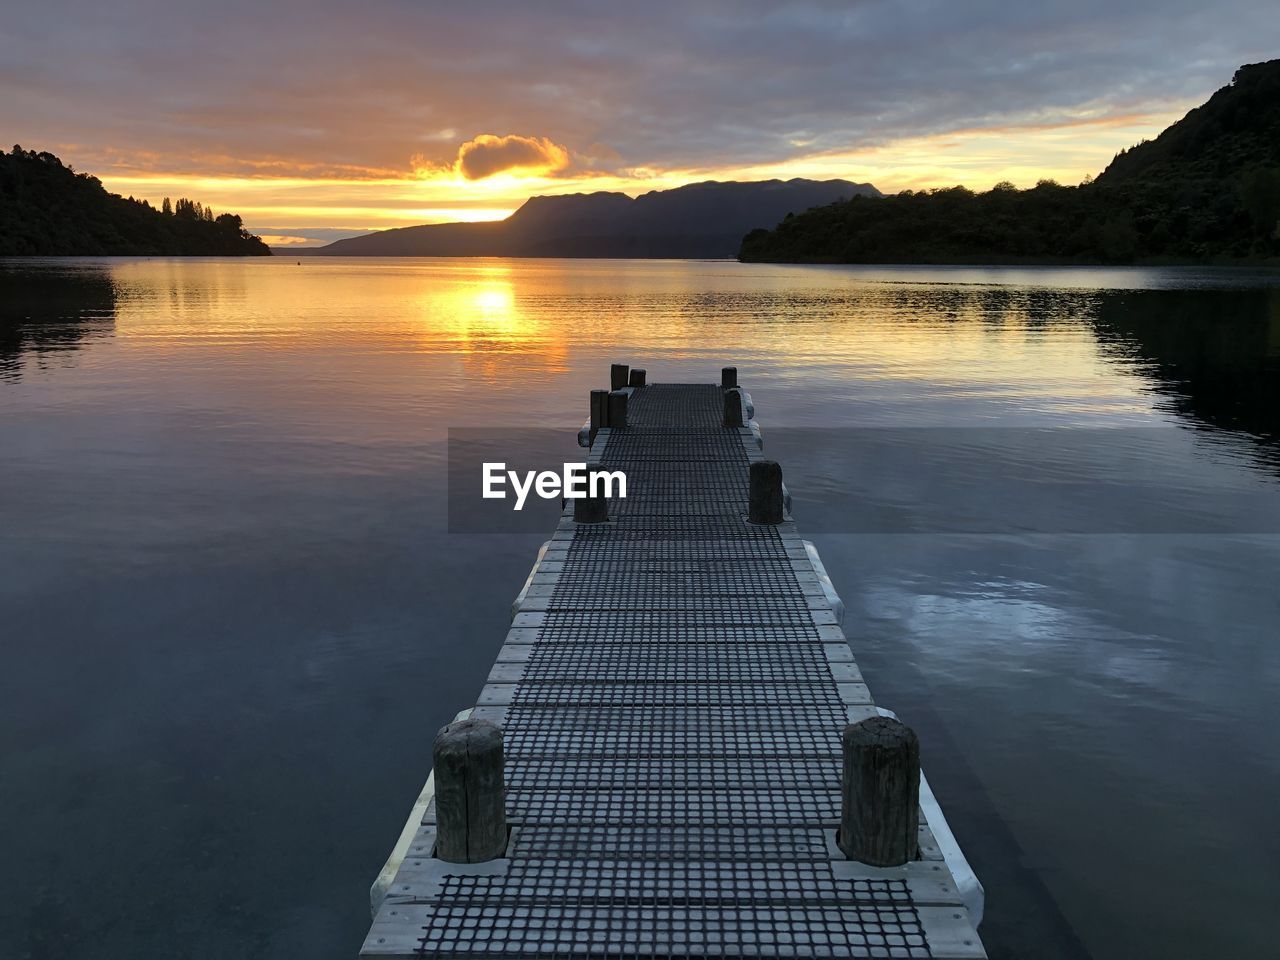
(242, 87)
(487, 155)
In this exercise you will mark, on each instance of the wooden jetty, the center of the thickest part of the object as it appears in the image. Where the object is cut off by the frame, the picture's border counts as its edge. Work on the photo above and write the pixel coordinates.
(672, 697)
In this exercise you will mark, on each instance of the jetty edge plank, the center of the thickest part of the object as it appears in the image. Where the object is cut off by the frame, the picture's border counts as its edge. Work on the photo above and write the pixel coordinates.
(672, 695)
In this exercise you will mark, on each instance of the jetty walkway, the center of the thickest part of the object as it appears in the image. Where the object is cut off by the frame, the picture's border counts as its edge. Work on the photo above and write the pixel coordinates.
(672, 696)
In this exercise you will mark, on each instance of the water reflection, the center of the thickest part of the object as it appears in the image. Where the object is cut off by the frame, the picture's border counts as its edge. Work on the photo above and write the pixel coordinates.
(1047, 352)
(48, 314)
(225, 573)
(479, 315)
(1214, 354)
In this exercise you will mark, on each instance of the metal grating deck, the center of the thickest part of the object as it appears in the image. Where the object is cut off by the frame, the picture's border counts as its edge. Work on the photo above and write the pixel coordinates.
(672, 694)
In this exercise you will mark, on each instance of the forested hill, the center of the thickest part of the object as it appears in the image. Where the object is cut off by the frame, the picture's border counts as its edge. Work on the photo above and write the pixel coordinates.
(1206, 189)
(1237, 129)
(49, 210)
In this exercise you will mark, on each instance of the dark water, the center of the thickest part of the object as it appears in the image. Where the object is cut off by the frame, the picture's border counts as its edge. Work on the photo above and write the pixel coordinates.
(232, 617)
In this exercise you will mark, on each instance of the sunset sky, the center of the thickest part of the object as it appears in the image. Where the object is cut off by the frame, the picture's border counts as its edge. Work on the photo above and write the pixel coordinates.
(317, 120)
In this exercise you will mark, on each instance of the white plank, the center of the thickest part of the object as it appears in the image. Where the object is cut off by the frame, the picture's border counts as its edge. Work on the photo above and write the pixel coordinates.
(950, 934)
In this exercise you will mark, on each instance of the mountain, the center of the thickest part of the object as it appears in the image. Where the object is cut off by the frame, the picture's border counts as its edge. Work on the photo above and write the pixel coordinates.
(1236, 128)
(700, 220)
(1207, 189)
(49, 210)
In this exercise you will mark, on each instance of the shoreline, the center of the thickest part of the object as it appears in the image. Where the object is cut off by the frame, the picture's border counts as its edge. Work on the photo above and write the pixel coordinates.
(1272, 262)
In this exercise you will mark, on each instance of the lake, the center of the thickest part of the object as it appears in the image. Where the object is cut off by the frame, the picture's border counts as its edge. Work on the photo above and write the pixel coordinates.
(233, 613)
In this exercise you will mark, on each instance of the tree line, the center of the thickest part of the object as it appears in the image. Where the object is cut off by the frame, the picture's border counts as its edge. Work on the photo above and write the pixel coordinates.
(1206, 189)
(48, 209)
(1170, 221)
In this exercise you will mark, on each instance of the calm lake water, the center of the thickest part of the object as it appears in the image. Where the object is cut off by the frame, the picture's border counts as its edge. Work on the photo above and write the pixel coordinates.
(233, 616)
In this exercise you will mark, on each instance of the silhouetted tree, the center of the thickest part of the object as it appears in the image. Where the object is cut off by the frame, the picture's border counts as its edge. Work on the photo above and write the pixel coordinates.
(47, 209)
(1207, 188)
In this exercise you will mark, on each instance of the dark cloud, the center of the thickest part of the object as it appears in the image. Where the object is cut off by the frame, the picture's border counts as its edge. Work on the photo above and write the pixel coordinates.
(486, 155)
(663, 84)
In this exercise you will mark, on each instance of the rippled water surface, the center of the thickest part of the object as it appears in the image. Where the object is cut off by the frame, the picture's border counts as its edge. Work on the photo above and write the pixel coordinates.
(233, 616)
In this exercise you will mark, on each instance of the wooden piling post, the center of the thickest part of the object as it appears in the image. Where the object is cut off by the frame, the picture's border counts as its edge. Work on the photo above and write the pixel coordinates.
(880, 793)
(637, 377)
(732, 408)
(599, 409)
(728, 378)
(617, 410)
(590, 509)
(471, 817)
(764, 492)
(618, 374)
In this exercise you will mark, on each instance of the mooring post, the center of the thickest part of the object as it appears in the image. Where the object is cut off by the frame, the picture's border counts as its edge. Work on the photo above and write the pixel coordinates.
(618, 376)
(764, 492)
(471, 816)
(637, 377)
(733, 408)
(599, 409)
(728, 377)
(590, 509)
(880, 793)
(617, 409)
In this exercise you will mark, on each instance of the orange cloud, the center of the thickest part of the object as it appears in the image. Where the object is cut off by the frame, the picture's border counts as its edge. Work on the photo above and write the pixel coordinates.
(487, 155)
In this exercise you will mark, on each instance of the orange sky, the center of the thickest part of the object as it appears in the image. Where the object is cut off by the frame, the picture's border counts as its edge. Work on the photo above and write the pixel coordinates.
(316, 119)
(287, 205)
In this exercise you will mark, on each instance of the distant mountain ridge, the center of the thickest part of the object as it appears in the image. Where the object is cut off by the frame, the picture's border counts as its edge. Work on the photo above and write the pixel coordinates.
(698, 220)
(1206, 189)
